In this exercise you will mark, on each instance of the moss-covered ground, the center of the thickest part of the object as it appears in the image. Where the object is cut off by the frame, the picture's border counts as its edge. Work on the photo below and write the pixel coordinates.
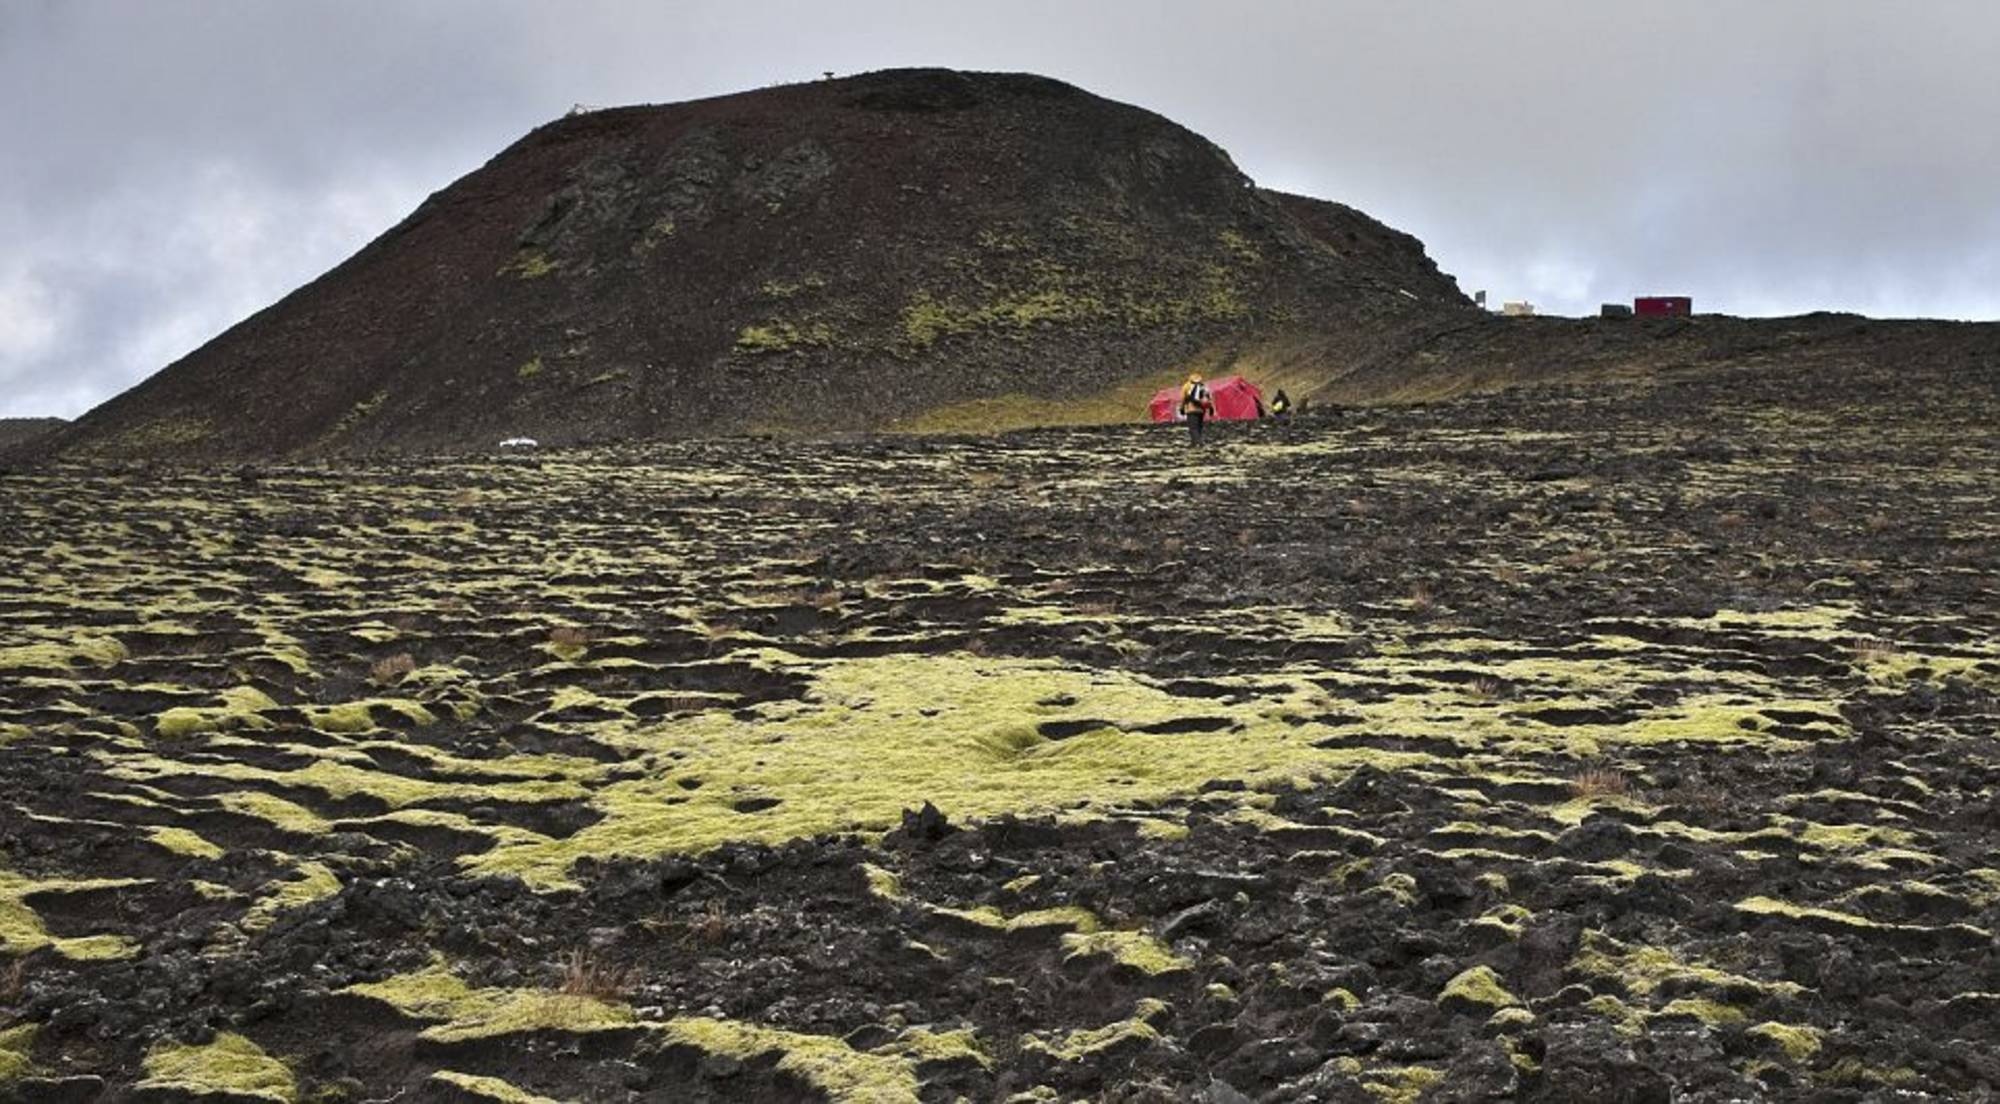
(1643, 736)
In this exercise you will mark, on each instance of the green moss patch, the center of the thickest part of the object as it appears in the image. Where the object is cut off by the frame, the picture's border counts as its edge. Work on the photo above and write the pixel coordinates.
(231, 1064)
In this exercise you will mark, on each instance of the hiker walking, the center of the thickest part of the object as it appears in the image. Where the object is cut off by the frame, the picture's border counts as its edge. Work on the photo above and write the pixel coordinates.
(1196, 405)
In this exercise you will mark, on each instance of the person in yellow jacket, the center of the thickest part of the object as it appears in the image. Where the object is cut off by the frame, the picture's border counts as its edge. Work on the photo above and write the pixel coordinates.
(1196, 406)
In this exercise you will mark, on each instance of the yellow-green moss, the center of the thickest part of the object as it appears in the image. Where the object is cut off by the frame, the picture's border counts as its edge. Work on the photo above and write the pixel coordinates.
(240, 707)
(1854, 1072)
(778, 337)
(1642, 970)
(1478, 987)
(960, 730)
(843, 1074)
(285, 815)
(435, 993)
(921, 1045)
(98, 651)
(489, 1088)
(17, 1049)
(529, 369)
(313, 883)
(1798, 1042)
(181, 841)
(355, 717)
(1341, 998)
(1078, 1046)
(1710, 1012)
(22, 930)
(529, 264)
(1626, 1020)
(1135, 949)
(230, 1064)
(1401, 1086)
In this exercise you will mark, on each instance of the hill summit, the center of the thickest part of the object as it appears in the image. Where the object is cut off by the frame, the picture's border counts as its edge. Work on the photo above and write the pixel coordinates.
(921, 249)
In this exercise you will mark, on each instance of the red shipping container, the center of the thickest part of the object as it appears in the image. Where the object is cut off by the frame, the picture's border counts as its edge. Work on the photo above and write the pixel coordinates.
(1661, 306)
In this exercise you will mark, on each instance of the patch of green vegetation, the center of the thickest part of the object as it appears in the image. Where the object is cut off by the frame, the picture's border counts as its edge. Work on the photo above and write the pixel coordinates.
(1769, 906)
(489, 1088)
(1643, 970)
(1138, 950)
(1625, 1019)
(1240, 248)
(231, 1064)
(159, 435)
(529, 264)
(467, 1013)
(288, 816)
(921, 1046)
(785, 289)
(780, 337)
(1477, 988)
(529, 368)
(348, 718)
(17, 1048)
(1798, 1042)
(1855, 1073)
(659, 231)
(1709, 1012)
(181, 841)
(98, 651)
(926, 319)
(1401, 1086)
(22, 930)
(358, 413)
(1508, 919)
(1078, 1046)
(843, 1074)
(313, 883)
(960, 731)
(240, 707)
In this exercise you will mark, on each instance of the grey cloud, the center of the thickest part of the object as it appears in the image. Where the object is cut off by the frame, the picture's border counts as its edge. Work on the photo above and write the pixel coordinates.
(174, 166)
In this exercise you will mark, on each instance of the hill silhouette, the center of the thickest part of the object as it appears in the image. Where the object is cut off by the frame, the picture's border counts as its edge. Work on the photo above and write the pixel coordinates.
(904, 249)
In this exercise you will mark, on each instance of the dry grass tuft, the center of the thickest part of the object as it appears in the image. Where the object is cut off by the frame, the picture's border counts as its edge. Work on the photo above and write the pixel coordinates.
(1867, 653)
(391, 670)
(711, 928)
(1599, 782)
(586, 975)
(1578, 558)
(569, 636)
(1422, 601)
(14, 982)
(1487, 688)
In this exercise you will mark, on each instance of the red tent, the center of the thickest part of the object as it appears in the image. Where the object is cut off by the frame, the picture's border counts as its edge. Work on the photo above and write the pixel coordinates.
(1235, 398)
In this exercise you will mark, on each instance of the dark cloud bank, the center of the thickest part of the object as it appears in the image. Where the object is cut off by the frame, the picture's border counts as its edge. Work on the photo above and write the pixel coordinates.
(171, 167)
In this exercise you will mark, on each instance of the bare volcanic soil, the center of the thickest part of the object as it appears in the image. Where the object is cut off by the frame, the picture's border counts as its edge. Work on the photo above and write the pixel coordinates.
(1626, 744)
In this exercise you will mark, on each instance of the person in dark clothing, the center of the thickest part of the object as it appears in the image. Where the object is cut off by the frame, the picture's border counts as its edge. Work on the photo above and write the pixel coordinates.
(1196, 406)
(1281, 406)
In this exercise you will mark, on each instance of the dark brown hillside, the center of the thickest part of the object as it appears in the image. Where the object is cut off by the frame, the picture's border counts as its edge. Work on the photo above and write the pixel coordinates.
(18, 432)
(902, 248)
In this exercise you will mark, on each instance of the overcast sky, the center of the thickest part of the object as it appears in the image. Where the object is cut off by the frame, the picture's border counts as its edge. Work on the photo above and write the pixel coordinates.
(169, 166)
